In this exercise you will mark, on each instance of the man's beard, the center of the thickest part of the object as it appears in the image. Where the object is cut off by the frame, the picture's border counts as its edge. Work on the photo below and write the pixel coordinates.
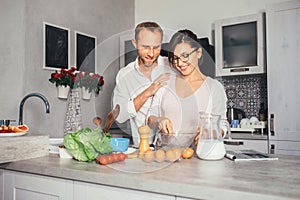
(147, 64)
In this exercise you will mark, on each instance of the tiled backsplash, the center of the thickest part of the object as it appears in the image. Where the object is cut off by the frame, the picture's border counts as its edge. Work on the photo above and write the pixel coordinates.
(246, 92)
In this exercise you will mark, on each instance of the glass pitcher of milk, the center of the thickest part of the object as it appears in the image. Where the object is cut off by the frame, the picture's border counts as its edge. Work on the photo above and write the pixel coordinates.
(210, 144)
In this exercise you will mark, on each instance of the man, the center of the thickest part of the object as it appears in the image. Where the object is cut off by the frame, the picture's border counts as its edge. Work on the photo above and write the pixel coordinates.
(137, 83)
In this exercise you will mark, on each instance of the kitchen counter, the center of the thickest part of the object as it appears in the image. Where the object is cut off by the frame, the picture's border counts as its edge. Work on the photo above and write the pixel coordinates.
(23, 147)
(249, 136)
(191, 178)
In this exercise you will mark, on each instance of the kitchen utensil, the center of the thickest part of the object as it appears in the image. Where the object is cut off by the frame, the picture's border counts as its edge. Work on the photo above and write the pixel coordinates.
(110, 118)
(254, 120)
(235, 113)
(180, 140)
(210, 144)
(144, 132)
(234, 123)
(119, 144)
(97, 121)
(6, 122)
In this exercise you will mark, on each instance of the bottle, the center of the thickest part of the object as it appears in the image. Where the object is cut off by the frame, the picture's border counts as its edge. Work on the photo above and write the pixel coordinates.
(262, 112)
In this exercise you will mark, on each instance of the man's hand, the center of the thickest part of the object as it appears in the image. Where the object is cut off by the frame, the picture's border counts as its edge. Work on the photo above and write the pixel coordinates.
(140, 99)
(157, 84)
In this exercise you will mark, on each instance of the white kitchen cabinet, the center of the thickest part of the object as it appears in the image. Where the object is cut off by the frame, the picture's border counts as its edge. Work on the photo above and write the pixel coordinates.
(258, 145)
(23, 186)
(283, 58)
(1, 185)
(96, 192)
(20, 186)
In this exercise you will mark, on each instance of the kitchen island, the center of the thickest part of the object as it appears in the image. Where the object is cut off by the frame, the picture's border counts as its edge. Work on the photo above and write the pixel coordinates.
(184, 179)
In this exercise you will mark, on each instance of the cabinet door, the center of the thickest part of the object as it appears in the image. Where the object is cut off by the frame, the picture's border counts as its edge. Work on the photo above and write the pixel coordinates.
(19, 186)
(1, 185)
(283, 57)
(96, 192)
(258, 145)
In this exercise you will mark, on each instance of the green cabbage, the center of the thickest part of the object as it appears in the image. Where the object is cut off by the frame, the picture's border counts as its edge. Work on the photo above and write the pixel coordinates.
(86, 144)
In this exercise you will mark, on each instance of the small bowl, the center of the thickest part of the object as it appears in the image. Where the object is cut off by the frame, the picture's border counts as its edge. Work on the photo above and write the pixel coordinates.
(119, 144)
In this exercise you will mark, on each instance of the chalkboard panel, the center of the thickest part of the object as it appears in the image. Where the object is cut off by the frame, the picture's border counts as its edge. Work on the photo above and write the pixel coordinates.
(56, 47)
(85, 52)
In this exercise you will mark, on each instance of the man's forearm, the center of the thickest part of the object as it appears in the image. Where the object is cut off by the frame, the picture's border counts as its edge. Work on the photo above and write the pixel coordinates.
(140, 100)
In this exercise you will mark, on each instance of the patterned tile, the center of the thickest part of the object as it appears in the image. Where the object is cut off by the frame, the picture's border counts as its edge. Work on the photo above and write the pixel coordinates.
(246, 92)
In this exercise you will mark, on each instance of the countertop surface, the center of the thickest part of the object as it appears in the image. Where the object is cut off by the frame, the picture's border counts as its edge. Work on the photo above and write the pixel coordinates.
(193, 178)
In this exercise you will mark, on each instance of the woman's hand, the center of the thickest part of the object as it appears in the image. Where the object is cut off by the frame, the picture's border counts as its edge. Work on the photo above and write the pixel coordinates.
(197, 136)
(165, 125)
(162, 123)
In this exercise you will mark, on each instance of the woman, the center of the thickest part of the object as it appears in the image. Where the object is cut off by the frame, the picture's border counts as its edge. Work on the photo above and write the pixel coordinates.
(188, 93)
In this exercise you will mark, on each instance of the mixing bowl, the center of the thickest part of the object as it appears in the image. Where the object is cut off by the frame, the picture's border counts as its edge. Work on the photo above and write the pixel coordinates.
(181, 140)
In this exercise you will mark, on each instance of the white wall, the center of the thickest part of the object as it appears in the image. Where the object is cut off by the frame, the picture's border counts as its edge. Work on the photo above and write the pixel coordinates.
(21, 56)
(196, 15)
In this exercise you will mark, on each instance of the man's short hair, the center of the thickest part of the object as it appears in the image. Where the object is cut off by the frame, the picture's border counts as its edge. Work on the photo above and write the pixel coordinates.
(152, 26)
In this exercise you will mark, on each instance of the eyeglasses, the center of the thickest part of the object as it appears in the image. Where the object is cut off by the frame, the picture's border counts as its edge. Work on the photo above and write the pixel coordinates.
(184, 57)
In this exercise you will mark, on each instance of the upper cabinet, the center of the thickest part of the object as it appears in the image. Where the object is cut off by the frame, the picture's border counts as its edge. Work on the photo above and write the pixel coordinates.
(240, 45)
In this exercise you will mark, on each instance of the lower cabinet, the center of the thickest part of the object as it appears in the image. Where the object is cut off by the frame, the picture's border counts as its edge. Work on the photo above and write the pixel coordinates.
(95, 192)
(23, 186)
(1, 185)
(258, 145)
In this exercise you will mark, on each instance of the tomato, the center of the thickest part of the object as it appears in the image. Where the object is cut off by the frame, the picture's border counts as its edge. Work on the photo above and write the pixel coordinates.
(115, 157)
(122, 156)
(110, 159)
(102, 160)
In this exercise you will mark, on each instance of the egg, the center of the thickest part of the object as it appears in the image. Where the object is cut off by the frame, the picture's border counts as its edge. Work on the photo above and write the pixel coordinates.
(170, 155)
(177, 152)
(187, 153)
(148, 156)
(160, 155)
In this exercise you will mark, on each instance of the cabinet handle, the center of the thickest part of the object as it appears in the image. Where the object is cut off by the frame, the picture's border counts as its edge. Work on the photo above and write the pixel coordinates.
(272, 131)
(272, 149)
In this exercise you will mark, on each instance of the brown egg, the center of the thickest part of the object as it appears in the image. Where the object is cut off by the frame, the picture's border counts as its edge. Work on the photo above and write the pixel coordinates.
(148, 156)
(170, 155)
(177, 152)
(187, 153)
(160, 155)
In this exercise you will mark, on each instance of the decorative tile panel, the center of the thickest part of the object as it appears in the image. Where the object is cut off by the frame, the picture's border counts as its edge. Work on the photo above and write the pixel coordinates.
(246, 92)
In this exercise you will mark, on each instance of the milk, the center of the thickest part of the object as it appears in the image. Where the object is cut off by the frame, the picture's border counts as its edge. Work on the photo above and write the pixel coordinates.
(210, 149)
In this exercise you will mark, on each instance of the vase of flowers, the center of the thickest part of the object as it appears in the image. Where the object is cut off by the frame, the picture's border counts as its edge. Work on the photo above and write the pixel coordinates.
(64, 81)
(89, 82)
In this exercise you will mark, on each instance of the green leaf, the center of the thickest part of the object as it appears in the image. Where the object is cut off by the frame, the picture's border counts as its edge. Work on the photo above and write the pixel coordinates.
(86, 144)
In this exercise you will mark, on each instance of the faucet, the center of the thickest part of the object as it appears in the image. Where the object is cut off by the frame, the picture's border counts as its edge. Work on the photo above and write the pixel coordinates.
(28, 96)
